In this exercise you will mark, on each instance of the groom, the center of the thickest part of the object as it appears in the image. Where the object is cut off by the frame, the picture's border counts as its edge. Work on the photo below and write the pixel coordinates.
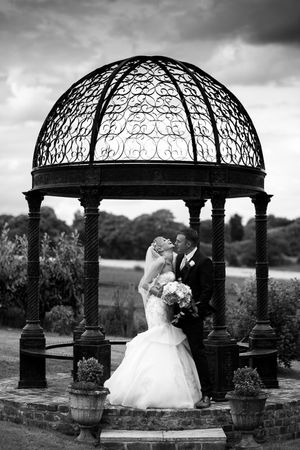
(196, 270)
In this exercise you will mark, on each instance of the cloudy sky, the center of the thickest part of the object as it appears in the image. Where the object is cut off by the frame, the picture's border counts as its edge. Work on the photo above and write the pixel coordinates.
(251, 46)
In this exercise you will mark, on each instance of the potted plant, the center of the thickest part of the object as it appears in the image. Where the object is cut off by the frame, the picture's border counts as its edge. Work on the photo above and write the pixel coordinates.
(87, 397)
(247, 403)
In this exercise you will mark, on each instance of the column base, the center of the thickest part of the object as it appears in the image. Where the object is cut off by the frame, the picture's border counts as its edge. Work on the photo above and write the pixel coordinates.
(263, 353)
(32, 366)
(223, 360)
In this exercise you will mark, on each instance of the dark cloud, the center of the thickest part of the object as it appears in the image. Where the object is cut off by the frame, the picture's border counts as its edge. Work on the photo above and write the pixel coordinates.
(255, 21)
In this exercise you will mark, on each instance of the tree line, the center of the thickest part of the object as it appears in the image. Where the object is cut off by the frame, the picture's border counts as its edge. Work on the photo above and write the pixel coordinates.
(124, 238)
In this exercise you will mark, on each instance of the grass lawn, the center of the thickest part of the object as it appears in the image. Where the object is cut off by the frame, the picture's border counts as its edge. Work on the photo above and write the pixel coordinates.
(9, 354)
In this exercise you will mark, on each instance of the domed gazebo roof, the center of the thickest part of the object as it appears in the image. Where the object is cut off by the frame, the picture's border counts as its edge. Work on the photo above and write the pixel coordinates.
(148, 127)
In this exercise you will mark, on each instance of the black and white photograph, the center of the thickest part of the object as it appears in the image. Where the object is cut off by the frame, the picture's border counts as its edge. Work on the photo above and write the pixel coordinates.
(150, 224)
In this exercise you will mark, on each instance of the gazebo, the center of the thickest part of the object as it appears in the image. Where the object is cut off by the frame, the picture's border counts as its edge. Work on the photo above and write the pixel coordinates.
(150, 127)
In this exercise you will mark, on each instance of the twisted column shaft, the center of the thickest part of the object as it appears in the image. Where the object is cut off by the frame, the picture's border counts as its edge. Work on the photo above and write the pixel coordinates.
(262, 269)
(92, 342)
(262, 335)
(34, 200)
(90, 200)
(218, 257)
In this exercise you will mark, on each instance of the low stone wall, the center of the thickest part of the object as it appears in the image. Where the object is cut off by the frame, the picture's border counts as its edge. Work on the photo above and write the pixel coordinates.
(47, 416)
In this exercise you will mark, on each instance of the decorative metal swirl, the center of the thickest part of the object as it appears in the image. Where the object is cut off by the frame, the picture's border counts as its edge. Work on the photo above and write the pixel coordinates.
(148, 109)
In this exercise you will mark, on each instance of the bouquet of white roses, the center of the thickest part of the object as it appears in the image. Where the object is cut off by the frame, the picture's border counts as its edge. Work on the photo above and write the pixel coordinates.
(177, 292)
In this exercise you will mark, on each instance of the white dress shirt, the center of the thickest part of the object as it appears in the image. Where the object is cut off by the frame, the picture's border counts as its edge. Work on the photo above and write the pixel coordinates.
(187, 258)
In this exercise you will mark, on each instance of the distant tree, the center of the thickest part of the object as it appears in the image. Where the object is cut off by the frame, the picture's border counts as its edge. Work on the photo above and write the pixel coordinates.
(278, 249)
(78, 224)
(17, 225)
(275, 222)
(249, 229)
(247, 252)
(4, 220)
(147, 226)
(206, 231)
(236, 228)
(115, 236)
(51, 225)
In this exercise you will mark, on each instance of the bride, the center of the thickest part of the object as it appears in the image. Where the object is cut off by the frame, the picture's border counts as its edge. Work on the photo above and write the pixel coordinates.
(158, 370)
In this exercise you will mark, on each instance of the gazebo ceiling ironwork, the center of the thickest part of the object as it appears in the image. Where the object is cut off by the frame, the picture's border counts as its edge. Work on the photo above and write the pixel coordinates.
(148, 127)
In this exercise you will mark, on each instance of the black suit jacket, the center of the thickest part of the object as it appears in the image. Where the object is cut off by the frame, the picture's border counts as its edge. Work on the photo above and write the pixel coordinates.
(199, 276)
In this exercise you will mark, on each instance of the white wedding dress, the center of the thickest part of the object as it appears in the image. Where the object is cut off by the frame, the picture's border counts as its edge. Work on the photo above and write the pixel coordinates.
(158, 370)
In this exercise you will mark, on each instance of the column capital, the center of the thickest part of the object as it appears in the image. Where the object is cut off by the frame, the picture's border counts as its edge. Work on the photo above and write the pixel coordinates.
(195, 204)
(218, 199)
(90, 197)
(261, 201)
(34, 200)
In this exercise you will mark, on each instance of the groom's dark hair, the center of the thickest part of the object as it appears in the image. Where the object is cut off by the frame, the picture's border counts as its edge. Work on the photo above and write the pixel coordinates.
(191, 235)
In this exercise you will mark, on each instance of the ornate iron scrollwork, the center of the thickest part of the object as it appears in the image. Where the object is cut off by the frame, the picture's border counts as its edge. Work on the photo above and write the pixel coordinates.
(148, 108)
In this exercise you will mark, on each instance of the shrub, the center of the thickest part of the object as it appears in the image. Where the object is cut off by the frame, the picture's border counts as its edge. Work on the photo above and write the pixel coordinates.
(61, 272)
(13, 270)
(61, 320)
(247, 382)
(61, 280)
(118, 318)
(232, 254)
(283, 304)
(12, 317)
(89, 374)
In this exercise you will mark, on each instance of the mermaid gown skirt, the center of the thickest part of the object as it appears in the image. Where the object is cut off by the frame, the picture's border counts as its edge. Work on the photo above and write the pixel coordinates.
(158, 370)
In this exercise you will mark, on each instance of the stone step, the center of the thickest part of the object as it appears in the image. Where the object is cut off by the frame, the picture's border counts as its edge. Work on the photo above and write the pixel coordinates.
(197, 439)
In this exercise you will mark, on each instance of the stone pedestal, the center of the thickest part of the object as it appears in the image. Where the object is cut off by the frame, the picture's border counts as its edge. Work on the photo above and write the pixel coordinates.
(223, 359)
(32, 366)
(263, 353)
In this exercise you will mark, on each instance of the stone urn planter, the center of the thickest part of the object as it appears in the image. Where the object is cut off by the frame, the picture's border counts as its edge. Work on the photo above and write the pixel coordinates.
(87, 397)
(247, 405)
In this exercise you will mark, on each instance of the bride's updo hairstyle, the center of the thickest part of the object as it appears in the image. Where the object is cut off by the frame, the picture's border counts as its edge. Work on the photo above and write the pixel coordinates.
(157, 244)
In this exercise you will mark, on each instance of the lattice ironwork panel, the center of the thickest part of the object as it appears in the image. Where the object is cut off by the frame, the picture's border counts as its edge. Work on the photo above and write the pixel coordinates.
(145, 120)
(238, 140)
(66, 134)
(148, 109)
